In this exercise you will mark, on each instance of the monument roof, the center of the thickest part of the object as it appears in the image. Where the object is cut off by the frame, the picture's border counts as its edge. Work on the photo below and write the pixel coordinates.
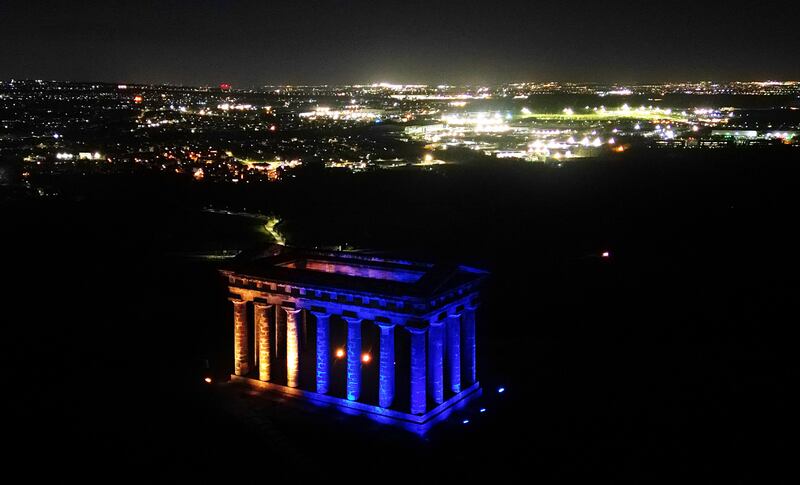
(354, 272)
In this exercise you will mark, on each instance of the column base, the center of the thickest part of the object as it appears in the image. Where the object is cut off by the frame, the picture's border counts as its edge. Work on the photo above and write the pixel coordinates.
(418, 424)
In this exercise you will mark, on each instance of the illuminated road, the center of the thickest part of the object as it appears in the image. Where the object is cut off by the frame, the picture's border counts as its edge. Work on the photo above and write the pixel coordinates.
(270, 227)
(270, 223)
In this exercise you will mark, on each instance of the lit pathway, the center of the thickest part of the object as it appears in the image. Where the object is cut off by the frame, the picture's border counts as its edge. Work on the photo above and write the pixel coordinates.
(269, 225)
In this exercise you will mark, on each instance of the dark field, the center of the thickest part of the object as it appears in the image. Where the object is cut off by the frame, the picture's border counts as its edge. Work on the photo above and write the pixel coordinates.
(675, 358)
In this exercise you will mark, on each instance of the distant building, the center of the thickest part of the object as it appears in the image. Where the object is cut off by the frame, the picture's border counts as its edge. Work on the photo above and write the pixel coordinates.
(318, 316)
(424, 129)
(735, 134)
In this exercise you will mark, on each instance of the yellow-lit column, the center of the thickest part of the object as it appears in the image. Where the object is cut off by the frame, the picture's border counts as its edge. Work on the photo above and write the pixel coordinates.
(292, 347)
(264, 338)
(241, 363)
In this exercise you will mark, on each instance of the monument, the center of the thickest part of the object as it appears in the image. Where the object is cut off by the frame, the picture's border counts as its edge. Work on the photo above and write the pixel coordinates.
(308, 324)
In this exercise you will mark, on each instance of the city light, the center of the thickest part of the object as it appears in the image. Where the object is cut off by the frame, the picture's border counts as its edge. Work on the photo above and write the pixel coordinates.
(515, 130)
(207, 380)
(366, 358)
(339, 353)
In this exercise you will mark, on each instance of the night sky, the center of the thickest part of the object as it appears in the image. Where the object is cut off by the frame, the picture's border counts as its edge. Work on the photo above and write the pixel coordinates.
(251, 43)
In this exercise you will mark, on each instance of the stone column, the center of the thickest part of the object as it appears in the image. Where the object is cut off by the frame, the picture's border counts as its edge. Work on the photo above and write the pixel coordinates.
(264, 339)
(323, 351)
(353, 358)
(241, 361)
(292, 349)
(386, 378)
(279, 336)
(436, 361)
(454, 351)
(418, 369)
(469, 343)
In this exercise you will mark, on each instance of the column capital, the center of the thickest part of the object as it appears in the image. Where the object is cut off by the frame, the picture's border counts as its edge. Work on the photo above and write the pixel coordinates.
(471, 306)
(292, 311)
(386, 325)
(452, 314)
(320, 314)
(349, 319)
(437, 324)
(263, 304)
(236, 300)
(417, 329)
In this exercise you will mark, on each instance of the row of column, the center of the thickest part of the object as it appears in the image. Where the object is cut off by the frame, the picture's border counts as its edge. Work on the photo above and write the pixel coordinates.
(427, 362)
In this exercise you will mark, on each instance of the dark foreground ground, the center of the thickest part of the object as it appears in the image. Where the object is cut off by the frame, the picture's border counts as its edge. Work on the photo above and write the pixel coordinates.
(674, 359)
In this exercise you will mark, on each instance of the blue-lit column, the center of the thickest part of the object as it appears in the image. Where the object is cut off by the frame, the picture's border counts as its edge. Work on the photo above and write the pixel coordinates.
(454, 351)
(469, 343)
(264, 339)
(436, 361)
(418, 370)
(353, 358)
(292, 348)
(241, 361)
(386, 379)
(323, 351)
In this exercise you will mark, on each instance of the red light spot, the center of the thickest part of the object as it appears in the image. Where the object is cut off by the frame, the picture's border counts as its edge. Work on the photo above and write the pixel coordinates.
(138, 99)
(225, 86)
